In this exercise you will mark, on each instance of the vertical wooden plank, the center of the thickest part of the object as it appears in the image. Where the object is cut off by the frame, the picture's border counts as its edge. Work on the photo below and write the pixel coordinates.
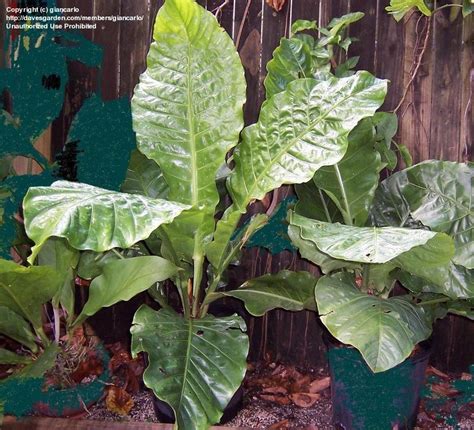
(308, 9)
(82, 82)
(330, 9)
(366, 31)
(107, 35)
(390, 55)
(248, 39)
(275, 26)
(134, 44)
(415, 111)
(447, 87)
(224, 12)
(467, 110)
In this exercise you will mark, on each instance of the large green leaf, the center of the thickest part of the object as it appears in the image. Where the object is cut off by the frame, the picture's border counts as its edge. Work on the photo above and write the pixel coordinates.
(385, 331)
(300, 130)
(17, 328)
(293, 291)
(435, 193)
(57, 254)
(372, 244)
(124, 279)
(144, 177)
(352, 182)
(25, 289)
(91, 217)
(187, 113)
(195, 365)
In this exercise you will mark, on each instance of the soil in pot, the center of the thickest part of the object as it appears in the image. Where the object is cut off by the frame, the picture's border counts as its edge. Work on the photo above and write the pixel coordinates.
(363, 400)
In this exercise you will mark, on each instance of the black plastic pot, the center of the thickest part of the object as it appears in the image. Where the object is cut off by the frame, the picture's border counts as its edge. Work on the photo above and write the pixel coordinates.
(363, 400)
(165, 413)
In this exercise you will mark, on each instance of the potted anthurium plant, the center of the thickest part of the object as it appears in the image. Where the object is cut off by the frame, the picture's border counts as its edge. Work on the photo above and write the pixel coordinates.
(187, 115)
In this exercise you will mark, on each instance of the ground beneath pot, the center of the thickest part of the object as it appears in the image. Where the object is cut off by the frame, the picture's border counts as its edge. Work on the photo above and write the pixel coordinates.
(283, 397)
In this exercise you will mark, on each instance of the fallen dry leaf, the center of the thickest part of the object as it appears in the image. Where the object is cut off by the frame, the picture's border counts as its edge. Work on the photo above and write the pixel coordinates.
(280, 425)
(276, 4)
(304, 400)
(275, 390)
(281, 400)
(118, 400)
(319, 385)
(444, 390)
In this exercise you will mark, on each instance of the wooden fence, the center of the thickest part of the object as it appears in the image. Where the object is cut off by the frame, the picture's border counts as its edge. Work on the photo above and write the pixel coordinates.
(436, 119)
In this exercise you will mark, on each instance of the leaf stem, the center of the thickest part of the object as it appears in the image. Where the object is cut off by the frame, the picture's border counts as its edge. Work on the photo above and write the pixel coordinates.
(118, 254)
(198, 261)
(446, 6)
(347, 212)
(325, 206)
(434, 301)
(365, 277)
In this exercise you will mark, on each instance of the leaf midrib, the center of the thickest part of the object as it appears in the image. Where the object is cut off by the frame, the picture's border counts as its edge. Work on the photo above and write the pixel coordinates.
(290, 144)
(186, 364)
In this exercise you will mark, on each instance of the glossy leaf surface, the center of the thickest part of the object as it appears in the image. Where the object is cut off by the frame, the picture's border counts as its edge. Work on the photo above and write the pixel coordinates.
(91, 217)
(124, 279)
(195, 365)
(370, 244)
(300, 130)
(292, 291)
(187, 113)
(385, 331)
(435, 193)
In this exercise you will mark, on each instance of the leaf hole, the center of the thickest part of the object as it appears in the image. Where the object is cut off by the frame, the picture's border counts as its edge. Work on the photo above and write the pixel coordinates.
(162, 370)
(199, 332)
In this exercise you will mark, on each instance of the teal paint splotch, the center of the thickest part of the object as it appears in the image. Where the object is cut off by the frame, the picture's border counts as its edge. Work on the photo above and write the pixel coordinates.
(104, 137)
(274, 235)
(33, 88)
(363, 400)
